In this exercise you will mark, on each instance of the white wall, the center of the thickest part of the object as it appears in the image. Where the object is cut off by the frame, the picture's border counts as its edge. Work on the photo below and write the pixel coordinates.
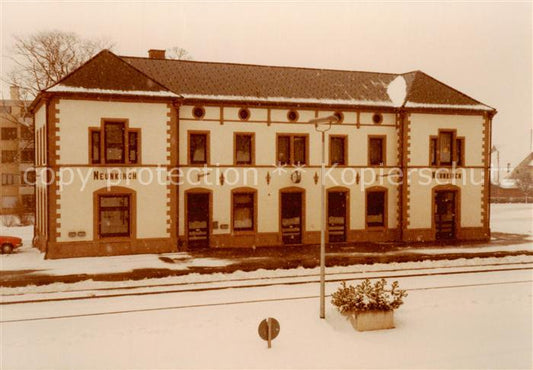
(221, 157)
(76, 116)
(76, 202)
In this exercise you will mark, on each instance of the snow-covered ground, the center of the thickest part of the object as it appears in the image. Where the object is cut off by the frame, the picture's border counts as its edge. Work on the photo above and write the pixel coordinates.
(480, 320)
(463, 320)
(514, 218)
(509, 218)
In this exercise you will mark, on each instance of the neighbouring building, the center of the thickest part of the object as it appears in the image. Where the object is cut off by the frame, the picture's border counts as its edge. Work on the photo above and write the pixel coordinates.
(517, 186)
(149, 155)
(17, 155)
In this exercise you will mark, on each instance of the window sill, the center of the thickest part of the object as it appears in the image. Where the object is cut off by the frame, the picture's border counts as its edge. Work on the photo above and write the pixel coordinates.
(375, 228)
(112, 239)
(243, 232)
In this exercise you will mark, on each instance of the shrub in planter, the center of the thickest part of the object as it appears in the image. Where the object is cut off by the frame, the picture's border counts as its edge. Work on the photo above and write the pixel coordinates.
(369, 306)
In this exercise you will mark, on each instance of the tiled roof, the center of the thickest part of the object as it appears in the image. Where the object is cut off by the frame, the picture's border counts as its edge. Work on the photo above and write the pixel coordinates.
(106, 71)
(524, 165)
(224, 79)
(245, 82)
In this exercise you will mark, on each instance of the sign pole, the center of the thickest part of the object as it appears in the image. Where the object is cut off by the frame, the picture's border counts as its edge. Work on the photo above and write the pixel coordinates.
(323, 233)
(327, 121)
(269, 323)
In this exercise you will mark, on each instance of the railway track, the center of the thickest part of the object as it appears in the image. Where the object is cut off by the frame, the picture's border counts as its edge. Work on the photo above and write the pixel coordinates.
(211, 285)
(178, 307)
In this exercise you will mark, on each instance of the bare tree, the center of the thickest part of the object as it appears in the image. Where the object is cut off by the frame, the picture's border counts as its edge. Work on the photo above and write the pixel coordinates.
(178, 53)
(524, 181)
(40, 60)
(43, 58)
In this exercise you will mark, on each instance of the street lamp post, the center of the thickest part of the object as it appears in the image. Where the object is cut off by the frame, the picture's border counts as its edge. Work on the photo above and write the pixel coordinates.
(322, 125)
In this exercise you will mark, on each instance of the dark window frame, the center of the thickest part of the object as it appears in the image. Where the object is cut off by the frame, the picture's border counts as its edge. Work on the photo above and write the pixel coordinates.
(336, 138)
(441, 143)
(114, 208)
(460, 151)
(383, 153)
(291, 157)
(98, 151)
(236, 138)
(108, 145)
(190, 147)
(136, 133)
(251, 205)
(457, 150)
(371, 207)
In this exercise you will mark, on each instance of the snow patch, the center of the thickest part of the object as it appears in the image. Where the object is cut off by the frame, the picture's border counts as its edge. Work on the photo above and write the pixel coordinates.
(64, 88)
(397, 91)
(280, 99)
(448, 106)
(476, 326)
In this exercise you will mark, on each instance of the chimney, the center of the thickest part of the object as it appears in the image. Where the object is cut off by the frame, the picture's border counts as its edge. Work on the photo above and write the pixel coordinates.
(156, 54)
(14, 92)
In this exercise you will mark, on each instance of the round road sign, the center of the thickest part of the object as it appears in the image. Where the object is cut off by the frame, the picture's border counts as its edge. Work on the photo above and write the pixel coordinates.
(263, 328)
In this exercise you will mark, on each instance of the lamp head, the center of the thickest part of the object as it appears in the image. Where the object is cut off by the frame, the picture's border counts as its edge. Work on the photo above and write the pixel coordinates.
(329, 120)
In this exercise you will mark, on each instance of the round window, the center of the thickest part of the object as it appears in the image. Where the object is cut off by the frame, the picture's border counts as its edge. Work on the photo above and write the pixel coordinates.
(377, 118)
(292, 115)
(198, 112)
(339, 116)
(244, 114)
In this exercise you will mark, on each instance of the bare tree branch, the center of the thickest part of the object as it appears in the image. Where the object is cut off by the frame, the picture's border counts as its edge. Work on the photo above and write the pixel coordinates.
(41, 59)
(178, 53)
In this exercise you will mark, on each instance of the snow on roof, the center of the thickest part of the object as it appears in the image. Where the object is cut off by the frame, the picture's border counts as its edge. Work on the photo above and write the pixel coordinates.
(107, 73)
(507, 183)
(397, 91)
(64, 88)
(447, 106)
(281, 99)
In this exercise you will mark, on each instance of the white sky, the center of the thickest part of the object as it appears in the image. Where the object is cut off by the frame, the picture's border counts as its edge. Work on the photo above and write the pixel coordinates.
(481, 49)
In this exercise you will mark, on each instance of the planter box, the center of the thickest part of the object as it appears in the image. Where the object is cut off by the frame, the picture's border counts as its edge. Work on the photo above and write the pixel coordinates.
(372, 320)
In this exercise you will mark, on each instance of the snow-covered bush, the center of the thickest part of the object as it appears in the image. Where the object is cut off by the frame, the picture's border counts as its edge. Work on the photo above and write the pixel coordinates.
(368, 297)
(9, 220)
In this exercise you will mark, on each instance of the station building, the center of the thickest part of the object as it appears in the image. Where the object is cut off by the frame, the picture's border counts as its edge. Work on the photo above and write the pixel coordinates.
(150, 155)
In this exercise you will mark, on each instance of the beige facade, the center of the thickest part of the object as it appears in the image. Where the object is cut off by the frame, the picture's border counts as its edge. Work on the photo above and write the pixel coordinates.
(150, 171)
(77, 180)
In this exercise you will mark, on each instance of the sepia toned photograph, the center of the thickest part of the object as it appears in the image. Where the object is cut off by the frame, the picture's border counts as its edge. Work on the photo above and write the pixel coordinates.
(266, 185)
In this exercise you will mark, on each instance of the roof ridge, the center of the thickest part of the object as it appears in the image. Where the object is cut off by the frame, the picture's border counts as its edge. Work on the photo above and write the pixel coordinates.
(410, 91)
(259, 65)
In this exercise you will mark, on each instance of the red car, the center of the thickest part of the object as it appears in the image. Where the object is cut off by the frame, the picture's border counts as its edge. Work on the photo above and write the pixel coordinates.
(9, 243)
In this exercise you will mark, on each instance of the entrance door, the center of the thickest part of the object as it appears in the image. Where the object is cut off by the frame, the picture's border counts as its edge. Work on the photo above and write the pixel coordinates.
(198, 220)
(337, 216)
(445, 214)
(291, 218)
